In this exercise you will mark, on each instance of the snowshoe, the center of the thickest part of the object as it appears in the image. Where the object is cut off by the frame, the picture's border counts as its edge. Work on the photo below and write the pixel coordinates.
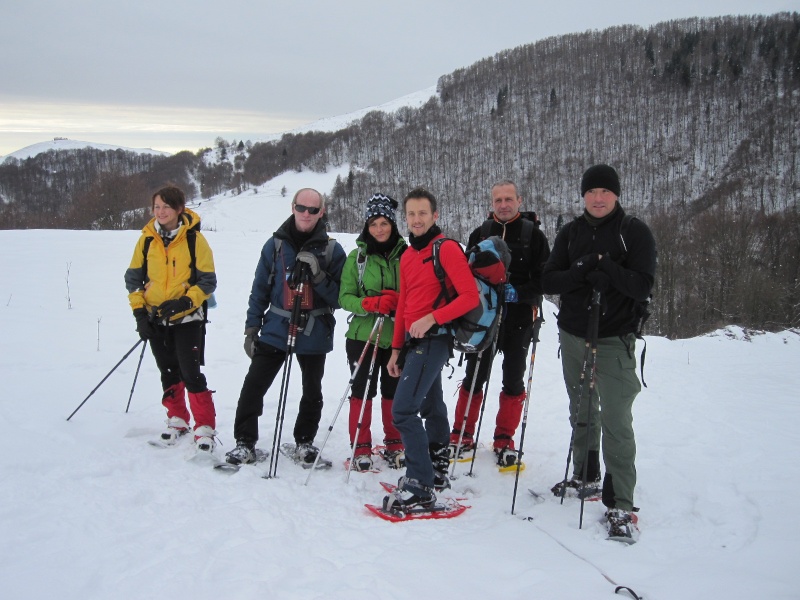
(572, 489)
(396, 459)
(506, 457)
(508, 460)
(204, 439)
(176, 428)
(243, 454)
(622, 526)
(304, 455)
(464, 453)
(257, 455)
(362, 463)
(410, 495)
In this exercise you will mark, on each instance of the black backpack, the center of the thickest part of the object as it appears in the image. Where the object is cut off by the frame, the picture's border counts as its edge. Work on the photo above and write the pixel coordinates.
(530, 221)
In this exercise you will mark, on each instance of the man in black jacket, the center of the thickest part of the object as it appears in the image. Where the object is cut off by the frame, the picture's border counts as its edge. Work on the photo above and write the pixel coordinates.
(590, 253)
(529, 251)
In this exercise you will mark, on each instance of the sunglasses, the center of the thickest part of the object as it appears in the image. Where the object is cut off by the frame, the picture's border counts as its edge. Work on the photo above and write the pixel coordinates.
(312, 210)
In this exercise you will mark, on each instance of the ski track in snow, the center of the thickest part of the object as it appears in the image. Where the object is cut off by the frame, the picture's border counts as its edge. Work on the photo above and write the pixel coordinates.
(90, 510)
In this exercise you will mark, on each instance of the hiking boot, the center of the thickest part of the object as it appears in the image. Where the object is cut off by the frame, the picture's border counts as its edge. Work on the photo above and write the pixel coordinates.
(573, 487)
(243, 454)
(506, 457)
(306, 453)
(396, 459)
(361, 463)
(204, 438)
(176, 427)
(440, 460)
(410, 495)
(621, 526)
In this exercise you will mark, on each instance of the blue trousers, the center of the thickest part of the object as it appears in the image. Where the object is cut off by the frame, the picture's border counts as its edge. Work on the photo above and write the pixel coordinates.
(418, 397)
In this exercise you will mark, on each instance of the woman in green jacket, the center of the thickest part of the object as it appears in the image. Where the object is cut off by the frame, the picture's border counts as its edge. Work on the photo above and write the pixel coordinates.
(369, 289)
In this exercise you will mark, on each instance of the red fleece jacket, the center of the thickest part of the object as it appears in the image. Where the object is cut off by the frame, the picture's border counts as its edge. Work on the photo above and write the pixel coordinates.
(419, 287)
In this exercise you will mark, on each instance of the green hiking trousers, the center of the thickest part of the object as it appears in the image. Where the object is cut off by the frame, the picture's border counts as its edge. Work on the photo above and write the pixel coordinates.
(615, 390)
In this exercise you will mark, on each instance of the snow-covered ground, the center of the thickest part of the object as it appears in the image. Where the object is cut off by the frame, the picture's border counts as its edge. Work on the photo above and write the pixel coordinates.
(89, 510)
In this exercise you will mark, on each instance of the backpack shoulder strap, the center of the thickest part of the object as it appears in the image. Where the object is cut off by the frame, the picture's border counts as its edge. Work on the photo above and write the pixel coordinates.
(623, 228)
(486, 228)
(145, 249)
(191, 241)
(439, 270)
(572, 232)
(329, 252)
(276, 250)
(361, 265)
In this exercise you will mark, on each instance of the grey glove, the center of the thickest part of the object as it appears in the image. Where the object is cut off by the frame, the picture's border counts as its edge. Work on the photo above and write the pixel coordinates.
(317, 274)
(250, 340)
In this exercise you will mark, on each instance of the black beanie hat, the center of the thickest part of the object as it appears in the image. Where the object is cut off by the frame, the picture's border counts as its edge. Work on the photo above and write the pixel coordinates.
(380, 206)
(600, 176)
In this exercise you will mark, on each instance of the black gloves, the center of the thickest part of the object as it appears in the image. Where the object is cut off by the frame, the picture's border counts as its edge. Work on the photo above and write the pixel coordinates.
(317, 274)
(170, 308)
(599, 280)
(582, 266)
(144, 327)
(250, 340)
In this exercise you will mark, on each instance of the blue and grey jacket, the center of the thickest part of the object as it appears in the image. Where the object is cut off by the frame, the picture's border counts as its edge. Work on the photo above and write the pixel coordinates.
(267, 306)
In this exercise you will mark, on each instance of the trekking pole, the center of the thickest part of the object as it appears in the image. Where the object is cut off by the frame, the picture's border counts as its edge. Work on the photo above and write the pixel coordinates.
(581, 386)
(483, 405)
(537, 325)
(136, 376)
(594, 325)
(378, 321)
(121, 360)
(363, 405)
(294, 321)
(464, 420)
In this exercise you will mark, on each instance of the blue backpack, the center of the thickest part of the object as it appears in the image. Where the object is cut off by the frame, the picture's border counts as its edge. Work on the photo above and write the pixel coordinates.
(489, 261)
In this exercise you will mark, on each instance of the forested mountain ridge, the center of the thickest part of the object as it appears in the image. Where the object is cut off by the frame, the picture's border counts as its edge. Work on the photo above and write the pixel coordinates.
(699, 116)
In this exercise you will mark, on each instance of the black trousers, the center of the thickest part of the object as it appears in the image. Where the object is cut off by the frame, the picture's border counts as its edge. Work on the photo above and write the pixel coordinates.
(513, 342)
(178, 351)
(264, 366)
(388, 383)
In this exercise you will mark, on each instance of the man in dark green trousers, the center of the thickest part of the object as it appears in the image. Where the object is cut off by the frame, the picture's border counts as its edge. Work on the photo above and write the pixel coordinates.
(602, 251)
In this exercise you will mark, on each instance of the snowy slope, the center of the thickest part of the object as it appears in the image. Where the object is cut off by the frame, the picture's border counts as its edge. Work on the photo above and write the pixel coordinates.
(89, 510)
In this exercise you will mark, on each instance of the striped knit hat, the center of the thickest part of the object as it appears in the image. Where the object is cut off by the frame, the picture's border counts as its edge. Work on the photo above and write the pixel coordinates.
(380, 206)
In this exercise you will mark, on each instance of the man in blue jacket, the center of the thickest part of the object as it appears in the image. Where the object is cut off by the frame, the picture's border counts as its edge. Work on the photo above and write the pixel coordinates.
(299, 251)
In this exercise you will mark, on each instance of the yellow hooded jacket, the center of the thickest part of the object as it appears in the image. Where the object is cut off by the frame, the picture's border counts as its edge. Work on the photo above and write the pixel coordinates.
(169, 268)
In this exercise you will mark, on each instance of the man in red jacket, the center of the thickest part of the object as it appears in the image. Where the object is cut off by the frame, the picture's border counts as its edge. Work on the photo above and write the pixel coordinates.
(421, 347)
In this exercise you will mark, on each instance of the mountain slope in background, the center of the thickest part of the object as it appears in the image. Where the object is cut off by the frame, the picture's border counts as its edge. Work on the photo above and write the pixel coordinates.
(699, 116)
(61, 144)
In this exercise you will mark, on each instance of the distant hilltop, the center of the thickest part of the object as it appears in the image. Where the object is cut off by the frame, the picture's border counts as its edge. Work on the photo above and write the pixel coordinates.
(62, 143)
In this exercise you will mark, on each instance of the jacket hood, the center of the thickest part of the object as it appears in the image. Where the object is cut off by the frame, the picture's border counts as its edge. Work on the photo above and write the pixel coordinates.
(189, 220)
(318, 235)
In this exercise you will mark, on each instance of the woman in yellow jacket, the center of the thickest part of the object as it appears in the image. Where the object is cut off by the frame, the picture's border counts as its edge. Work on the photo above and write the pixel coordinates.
(170, 277)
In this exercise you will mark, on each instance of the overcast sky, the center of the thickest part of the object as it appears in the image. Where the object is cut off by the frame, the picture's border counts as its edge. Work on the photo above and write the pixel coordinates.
(175, 74)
